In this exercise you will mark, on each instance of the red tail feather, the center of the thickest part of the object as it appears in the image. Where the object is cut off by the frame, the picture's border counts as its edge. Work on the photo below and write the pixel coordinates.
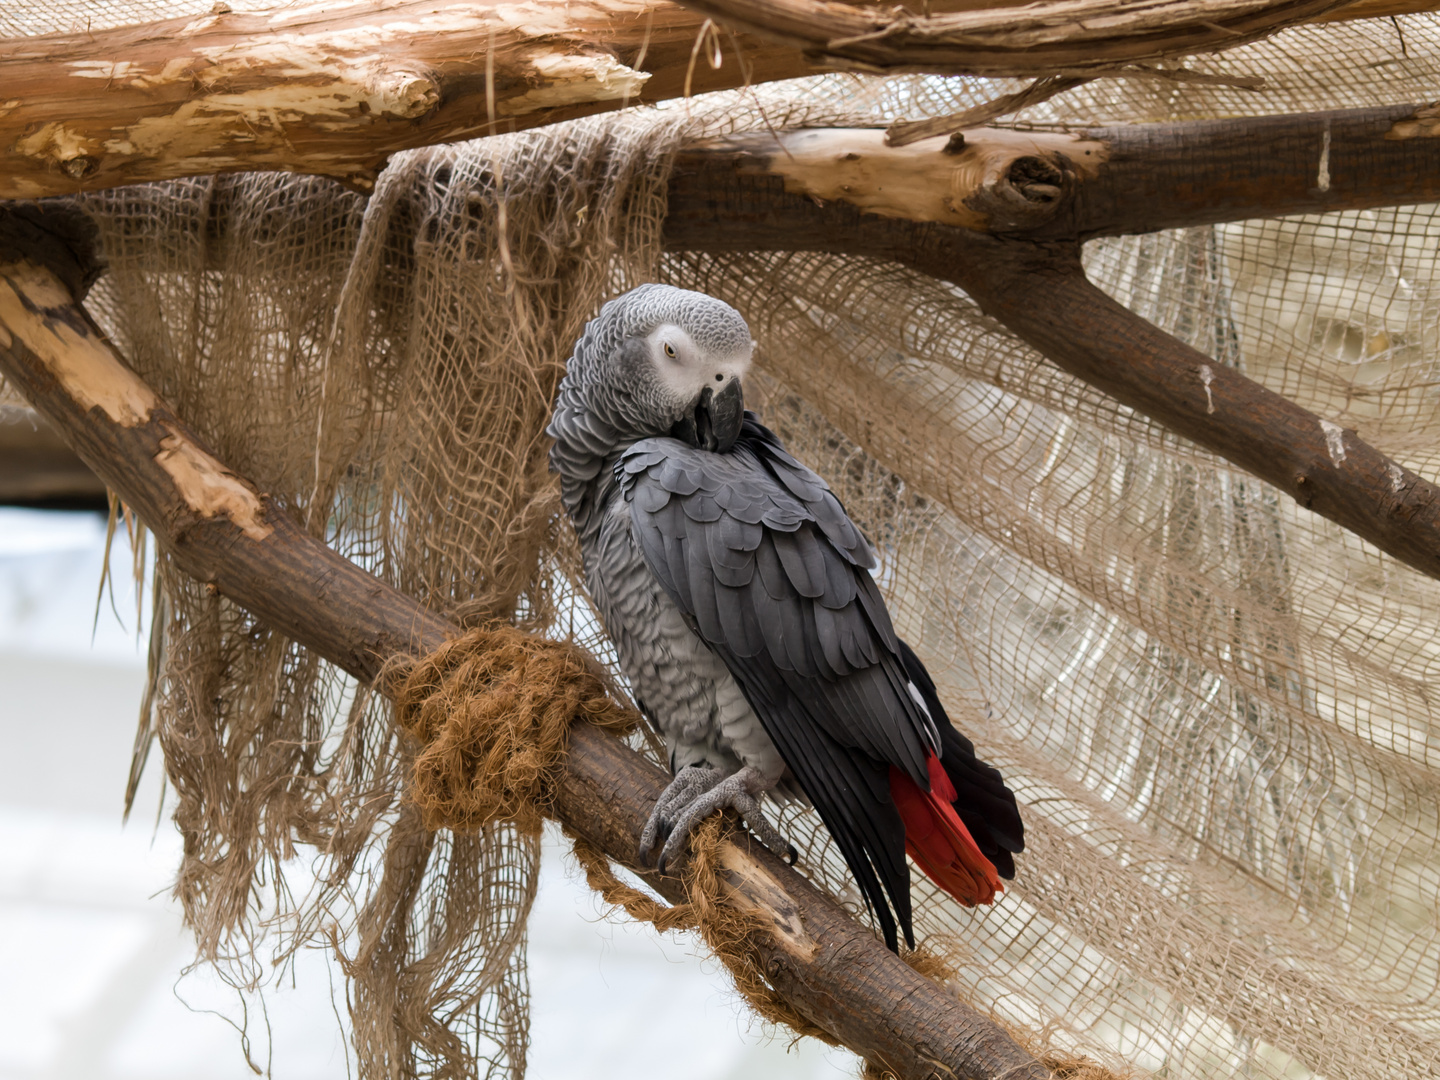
(938, 840)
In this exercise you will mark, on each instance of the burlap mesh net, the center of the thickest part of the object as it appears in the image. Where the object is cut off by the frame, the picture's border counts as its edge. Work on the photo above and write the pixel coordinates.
(1216, 709)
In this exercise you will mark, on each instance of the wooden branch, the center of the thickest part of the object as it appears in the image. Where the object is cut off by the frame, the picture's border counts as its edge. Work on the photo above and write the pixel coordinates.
(334, 92)
(1377, 9)
(1037, 39)
(38, 469)
(735, 201)
(1044, 298)
(239, 542)
(1102, 181)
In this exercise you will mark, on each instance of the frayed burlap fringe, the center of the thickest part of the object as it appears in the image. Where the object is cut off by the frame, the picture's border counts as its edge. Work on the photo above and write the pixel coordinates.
(492, 710)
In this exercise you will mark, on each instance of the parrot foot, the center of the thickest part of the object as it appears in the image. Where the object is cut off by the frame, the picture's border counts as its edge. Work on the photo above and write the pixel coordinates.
(696, 793)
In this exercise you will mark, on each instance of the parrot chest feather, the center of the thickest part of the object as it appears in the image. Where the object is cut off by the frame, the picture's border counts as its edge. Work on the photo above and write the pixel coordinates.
(683, 687)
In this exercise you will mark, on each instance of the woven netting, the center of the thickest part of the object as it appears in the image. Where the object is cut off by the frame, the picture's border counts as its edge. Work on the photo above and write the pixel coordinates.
(1217, 710)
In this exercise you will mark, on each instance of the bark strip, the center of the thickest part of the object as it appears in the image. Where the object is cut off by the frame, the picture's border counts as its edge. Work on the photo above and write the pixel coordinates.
(224, 532)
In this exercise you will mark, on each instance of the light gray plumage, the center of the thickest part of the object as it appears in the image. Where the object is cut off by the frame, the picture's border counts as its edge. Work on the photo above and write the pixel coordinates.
(738, 595)
(609, 400)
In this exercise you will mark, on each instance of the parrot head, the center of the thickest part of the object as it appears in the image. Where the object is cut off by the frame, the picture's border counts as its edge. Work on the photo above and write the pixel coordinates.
(665, 361)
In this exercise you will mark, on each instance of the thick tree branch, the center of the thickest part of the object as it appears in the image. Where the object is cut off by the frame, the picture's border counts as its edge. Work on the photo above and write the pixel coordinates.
(1102, 181)
(1037, 39)
(225, 533)
(728, 201)
(334, 93)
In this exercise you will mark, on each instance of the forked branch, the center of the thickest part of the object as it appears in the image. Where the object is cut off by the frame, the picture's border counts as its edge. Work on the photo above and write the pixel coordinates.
(728, 197)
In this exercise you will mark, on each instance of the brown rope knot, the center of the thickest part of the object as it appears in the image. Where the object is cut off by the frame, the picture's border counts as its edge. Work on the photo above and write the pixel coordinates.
(492, 711)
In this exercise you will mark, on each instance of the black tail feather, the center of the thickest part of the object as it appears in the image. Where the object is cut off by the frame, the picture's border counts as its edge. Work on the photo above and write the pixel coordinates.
(984, 803)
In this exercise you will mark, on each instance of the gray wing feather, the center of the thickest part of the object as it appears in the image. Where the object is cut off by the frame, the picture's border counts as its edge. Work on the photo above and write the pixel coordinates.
(759, 554)
(773, 576)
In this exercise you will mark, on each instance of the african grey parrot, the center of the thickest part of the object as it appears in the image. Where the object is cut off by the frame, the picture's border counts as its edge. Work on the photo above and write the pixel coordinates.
(739, 598)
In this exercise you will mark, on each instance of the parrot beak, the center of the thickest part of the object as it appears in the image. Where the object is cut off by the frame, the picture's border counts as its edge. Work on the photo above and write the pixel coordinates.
(715, 422)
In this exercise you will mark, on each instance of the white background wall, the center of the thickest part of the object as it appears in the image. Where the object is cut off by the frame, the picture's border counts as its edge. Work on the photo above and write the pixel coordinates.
(91, 946)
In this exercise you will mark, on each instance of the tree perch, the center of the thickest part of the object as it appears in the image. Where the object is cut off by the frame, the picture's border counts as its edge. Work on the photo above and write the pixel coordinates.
(226, 534)
(335, 92)
(1003, 219)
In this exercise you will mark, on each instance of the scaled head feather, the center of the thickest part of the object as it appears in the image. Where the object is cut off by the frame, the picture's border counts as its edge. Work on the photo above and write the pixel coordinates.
(641, 367)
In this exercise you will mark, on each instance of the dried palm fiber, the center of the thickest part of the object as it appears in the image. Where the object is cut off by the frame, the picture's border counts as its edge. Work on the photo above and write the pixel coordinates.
(490, 712)
(1215, 708)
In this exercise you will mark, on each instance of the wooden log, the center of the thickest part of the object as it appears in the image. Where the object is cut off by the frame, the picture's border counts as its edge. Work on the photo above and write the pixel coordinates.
(1041, 38)
(728, 199)
(334, 91)
(224, 532)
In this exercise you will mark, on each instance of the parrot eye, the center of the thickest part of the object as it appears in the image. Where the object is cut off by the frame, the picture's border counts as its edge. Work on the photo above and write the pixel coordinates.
(670, 350)
(719, 378)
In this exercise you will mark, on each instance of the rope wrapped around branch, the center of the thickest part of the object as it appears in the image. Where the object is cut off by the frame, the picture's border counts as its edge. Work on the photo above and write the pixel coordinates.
(491, 711)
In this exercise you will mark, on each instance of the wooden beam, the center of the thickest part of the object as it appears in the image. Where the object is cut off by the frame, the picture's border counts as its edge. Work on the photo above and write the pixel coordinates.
(224, 532)
(1040, 38)
(334, 91)
(736, 200)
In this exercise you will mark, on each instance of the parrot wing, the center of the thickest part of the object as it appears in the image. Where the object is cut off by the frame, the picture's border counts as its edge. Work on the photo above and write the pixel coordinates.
(773, 575)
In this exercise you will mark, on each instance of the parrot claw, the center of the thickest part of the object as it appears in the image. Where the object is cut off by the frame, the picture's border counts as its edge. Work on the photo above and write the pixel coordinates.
(689, 784)
(699, 791)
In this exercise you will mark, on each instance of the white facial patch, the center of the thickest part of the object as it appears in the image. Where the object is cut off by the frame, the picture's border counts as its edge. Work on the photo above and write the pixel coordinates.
(684, 369)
